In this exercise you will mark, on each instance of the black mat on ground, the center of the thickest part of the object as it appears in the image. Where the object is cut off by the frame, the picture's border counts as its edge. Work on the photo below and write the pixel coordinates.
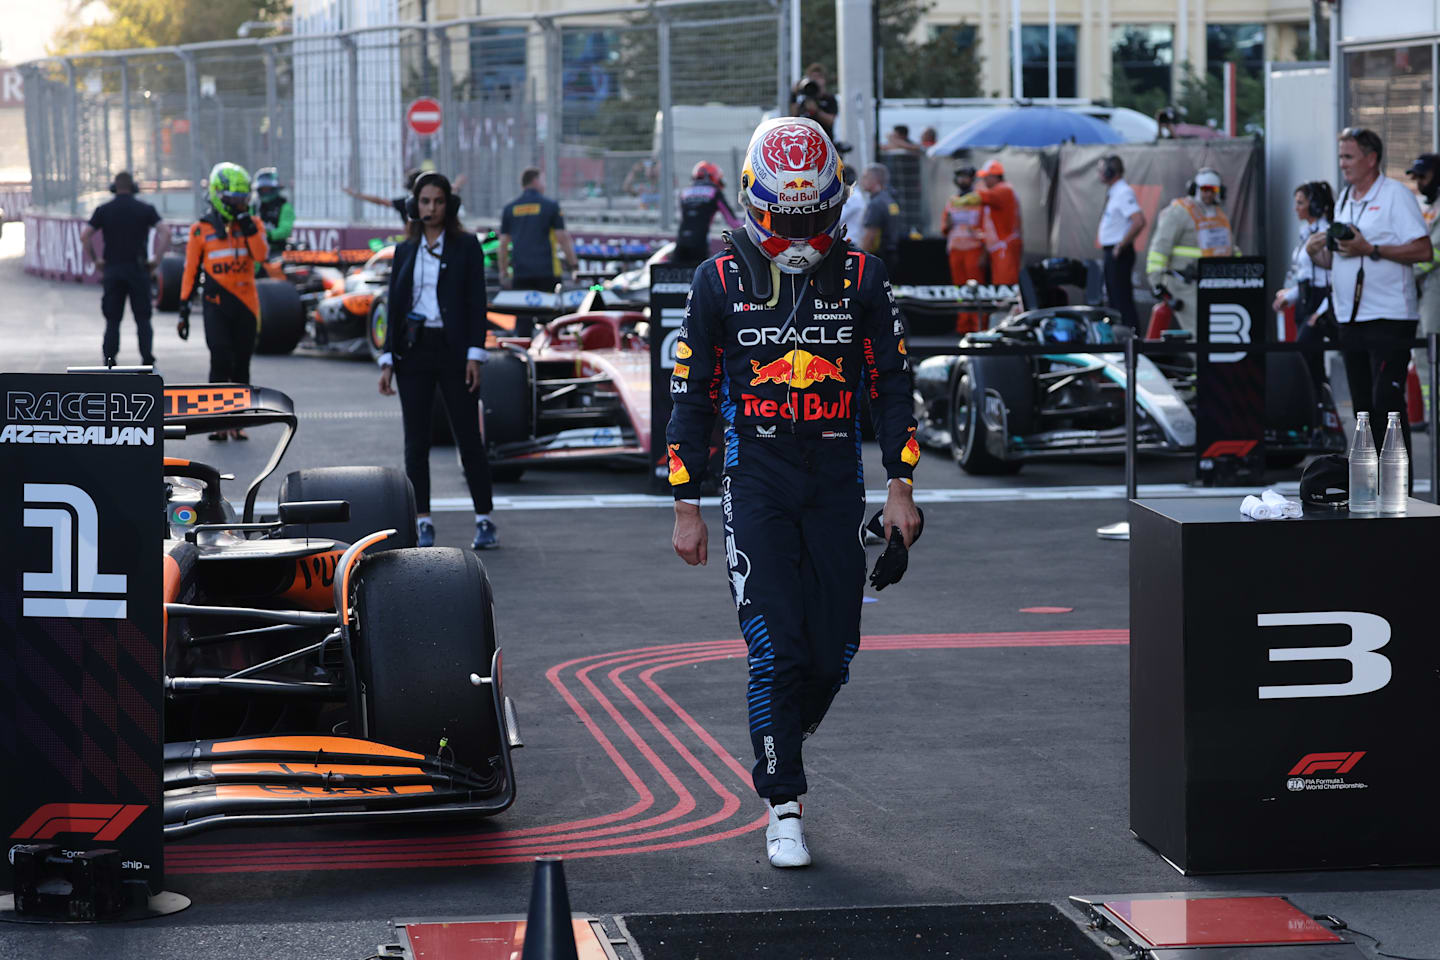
(1015, 931)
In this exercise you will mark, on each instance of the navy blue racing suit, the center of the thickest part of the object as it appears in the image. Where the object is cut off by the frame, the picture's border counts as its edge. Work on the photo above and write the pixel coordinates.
(793, 495)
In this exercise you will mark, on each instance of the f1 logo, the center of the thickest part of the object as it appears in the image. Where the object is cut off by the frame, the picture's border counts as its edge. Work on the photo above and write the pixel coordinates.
(73, 586)
(103, 821)
(1369, 671)
(1313, 763)
(1229, 323)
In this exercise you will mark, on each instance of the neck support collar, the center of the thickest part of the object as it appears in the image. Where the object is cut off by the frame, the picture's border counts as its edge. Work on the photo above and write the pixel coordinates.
(757, 272)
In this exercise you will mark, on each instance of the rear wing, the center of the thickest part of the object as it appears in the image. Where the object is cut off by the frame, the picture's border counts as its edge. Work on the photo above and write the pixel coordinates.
(200, 407)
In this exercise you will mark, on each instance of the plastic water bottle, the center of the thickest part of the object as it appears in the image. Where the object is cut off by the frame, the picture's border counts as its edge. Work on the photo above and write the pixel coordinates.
(1364, 469)
(1394, 468)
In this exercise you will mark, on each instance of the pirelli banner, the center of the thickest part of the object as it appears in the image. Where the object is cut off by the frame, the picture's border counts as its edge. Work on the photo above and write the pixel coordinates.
(81, 644)
(1230, 384)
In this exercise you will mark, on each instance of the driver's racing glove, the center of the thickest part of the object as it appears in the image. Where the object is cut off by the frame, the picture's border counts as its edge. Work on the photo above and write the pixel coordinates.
(894, 560)
(247, 226)
(183, 327)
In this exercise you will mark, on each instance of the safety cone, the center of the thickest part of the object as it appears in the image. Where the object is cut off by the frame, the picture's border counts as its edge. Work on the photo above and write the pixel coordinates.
(549, 934)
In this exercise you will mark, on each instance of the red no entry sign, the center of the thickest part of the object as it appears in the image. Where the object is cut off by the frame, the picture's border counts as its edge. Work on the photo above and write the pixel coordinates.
(424, 116)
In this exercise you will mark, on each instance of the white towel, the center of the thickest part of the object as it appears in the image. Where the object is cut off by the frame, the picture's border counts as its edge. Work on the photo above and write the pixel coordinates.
(1289, 509)
(1257, 509)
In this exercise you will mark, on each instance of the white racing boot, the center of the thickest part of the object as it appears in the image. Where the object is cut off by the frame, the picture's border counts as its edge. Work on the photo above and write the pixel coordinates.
(785, 837)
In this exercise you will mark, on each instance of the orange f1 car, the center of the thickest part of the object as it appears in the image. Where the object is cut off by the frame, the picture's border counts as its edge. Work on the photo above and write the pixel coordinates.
(319, 666)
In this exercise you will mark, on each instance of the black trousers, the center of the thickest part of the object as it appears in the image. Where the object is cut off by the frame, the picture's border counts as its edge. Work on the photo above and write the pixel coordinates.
(423, 368)
(230, 330)
(120, 282)
(791, 516)
(1310, 299)
(1377, 356)
(1119, 287)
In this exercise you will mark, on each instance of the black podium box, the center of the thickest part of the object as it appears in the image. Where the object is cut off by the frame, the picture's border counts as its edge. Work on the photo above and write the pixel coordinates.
(1284, 687)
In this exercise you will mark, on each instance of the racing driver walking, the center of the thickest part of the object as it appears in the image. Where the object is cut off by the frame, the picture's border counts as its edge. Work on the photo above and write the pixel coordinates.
(782, 331)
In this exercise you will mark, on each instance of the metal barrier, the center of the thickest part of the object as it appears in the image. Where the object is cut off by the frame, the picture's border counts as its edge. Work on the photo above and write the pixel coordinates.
(606, 101)
(1134, 348)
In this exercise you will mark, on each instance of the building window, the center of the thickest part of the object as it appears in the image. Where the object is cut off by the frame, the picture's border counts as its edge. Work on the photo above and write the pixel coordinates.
(1035, 59)
(1142, 58)
(1243, 43)
(1392, 92)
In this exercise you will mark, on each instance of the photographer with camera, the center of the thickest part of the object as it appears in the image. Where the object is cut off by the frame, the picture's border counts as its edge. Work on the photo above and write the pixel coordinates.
(809, 98)
(1371, 251)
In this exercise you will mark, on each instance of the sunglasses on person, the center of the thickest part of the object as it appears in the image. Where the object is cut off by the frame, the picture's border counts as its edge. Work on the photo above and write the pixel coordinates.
(1368, 139)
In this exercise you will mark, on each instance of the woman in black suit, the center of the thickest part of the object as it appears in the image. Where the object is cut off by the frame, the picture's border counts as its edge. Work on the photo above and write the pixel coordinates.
(436, 337)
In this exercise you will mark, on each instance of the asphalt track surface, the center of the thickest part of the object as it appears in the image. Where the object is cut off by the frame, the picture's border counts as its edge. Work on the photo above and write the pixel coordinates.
(979, 754)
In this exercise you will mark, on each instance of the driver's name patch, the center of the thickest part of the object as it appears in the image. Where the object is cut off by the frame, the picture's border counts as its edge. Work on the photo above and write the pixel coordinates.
(91, 436)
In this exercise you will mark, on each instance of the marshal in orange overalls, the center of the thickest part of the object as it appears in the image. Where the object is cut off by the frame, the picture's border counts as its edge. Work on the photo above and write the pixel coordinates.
(1004, 240)
(960, 224)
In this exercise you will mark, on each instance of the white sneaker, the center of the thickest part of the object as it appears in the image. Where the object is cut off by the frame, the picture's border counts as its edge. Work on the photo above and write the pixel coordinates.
(785, 837)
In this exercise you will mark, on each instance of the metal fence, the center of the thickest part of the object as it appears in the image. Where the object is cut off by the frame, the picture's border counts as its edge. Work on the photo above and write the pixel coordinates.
(615, 106)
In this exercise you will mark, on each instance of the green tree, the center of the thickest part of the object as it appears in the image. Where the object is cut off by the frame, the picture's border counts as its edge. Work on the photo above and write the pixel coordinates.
(158, 23)
(1140, 78)
(1202, 99)
(944, 64)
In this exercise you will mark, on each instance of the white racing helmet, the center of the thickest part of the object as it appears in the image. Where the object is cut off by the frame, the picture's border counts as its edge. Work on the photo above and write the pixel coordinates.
(792, 190)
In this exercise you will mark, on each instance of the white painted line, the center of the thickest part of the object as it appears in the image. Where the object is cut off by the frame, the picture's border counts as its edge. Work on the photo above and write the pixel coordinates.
(618, 501)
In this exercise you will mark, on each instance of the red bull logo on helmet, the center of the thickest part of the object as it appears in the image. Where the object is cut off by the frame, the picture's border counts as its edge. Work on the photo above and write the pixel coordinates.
(798, 187)
(799, 369)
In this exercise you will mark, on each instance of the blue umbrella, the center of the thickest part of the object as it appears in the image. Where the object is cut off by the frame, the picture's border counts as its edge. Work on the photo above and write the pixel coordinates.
(1026, 127)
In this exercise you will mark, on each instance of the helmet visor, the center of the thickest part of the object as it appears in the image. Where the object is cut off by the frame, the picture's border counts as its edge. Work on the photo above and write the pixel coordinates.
(796, 226)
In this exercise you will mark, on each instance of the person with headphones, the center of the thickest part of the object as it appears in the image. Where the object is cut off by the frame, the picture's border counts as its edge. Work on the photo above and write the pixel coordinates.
(437, 294)
(699, 203)
(1307, 286)
(125, 263)
(223, 249)
(1120, 224)
(1425, 171)
(961, 224)
(1193, 226)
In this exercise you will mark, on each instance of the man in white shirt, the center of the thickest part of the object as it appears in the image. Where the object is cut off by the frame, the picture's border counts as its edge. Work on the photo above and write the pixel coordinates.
(1120, 224)
(1373, 277)
(852, 214)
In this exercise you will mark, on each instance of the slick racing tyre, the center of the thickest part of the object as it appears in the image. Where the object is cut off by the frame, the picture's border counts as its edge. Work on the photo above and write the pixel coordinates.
(377, 327)
(168, 275)
(968, 431)
(282, 318)
(505, 391)
(425, 624)
(380, 498)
